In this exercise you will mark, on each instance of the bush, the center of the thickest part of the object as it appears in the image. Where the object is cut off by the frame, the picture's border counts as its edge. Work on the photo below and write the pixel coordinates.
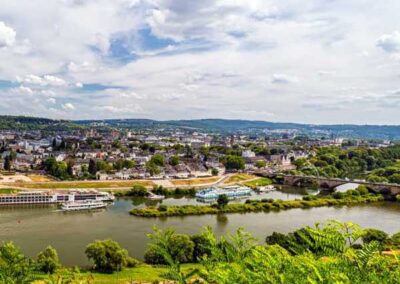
(362, 189)
(375, 235)
(138, 190)
(395, 240)
(179, 246)
(308, 197)
(132, 262)
(338, 195)
(398, 197)
(107, 255)
(47, 260)
(152, 256)
(162, 208)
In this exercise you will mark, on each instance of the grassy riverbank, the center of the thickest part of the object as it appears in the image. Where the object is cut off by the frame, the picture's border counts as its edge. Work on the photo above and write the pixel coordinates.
(83, 184)
(264, 205)
(142, 273)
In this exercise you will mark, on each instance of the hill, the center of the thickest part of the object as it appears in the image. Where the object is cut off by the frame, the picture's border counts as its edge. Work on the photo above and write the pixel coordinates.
(226, 126)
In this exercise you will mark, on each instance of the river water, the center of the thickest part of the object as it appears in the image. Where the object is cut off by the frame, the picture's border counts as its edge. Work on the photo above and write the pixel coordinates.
(33, 228)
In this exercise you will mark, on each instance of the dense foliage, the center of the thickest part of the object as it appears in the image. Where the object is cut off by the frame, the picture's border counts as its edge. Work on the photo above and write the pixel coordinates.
(332, 252)
(321, 254)
(47, 260)
(107, 256)
(377, 165)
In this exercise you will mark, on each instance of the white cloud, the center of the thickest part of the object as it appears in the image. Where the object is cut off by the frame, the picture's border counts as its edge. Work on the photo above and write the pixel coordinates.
(390, 42)
(67, 106)
(46, 80)
(283, 79)
(51, 100)
(211, 58)
(22, 90)
(7, 35)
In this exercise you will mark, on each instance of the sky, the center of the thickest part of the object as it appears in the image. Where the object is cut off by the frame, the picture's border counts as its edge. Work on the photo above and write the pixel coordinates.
(310, 61)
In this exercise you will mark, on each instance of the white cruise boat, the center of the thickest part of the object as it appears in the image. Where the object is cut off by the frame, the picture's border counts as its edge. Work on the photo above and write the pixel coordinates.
(83, 205)
(48, 197)
(231, 192)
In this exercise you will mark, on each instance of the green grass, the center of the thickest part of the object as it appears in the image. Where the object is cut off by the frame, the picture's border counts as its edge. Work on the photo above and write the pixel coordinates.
(8, 190)
(238, 178)
(265, 205)
(141, 273)
(258, 182)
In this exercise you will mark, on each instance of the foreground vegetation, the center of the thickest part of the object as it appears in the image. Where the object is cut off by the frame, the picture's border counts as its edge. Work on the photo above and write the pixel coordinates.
(265, 205)
(333, 252)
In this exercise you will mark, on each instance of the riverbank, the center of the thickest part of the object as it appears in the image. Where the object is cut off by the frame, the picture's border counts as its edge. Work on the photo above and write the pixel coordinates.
(142, 274)
(265, 205)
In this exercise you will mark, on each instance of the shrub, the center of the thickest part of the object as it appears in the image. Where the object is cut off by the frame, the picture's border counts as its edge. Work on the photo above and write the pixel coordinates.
(395, 240)
(338, 195)
(137, 190)
(362, 189)
(152, 256)
(132, 262)
(107, 255)
(375, 235)
(162, 208)
(47, 260)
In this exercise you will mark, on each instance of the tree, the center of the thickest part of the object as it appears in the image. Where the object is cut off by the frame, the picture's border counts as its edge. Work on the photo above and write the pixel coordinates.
(158, 160)
(214, 171)
(233, 162)
(92, 167)
(222, 200)
(7, 163)
(179, 247)
(138, 190)
(174, 160)
(260, 164)
(15, 268)
(107, 255)
(47, 260)
(70, 169)
(173, 249)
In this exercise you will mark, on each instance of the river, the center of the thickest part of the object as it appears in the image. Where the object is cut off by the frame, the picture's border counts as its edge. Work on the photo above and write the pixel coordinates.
(33, 228)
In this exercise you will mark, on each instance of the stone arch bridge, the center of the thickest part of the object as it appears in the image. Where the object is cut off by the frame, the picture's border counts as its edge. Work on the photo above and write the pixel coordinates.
(330, 184)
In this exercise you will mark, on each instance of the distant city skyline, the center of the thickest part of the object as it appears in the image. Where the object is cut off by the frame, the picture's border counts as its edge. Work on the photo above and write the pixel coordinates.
(312, 61)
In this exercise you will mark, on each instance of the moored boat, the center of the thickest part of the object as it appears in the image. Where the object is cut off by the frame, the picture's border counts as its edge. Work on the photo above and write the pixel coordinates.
(267, 188)
(83, 205)
(231, 192)
(49, 197)
(153, 196)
